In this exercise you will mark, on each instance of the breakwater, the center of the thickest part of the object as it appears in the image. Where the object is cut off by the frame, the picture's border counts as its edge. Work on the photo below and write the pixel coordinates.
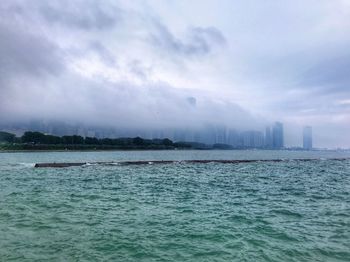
(150, 162)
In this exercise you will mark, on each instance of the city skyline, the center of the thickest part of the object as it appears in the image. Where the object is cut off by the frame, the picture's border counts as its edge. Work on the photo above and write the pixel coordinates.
(270, 138)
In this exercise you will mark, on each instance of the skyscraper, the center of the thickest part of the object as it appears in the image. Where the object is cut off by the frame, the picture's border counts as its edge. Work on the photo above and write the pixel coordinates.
(233, 138)
(307, 137)
(268, 137)
(277, 136)
(253, 139)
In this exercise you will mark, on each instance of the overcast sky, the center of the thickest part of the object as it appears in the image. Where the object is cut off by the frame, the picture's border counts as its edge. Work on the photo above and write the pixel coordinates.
(183, 63)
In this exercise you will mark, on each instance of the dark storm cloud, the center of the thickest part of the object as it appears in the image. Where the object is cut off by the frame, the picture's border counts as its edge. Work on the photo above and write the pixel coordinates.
(199, 41)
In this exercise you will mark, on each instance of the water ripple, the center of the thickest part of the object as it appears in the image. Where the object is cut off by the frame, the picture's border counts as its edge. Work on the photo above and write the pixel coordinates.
(286, 211)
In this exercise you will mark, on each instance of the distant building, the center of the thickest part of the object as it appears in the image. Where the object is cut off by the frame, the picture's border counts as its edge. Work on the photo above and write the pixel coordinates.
(233, 138)
(268, 137)
(253, 139)
(277, 136)
(247, 139)
(258, 139)
(307, 137)
(220, 134)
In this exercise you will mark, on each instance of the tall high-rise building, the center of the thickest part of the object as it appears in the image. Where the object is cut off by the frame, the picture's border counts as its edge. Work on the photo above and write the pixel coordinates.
(232, 137)
(252, 139)
(277, 136)
(220, 134)
(307, 137)
(247, 139)
(258, 139)
(268, 137)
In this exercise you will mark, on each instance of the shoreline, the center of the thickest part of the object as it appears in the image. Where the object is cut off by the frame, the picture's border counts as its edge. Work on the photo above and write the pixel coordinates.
(160, 149)
(88, 150)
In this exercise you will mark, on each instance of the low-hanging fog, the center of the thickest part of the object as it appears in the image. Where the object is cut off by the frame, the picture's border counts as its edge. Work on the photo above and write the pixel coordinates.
(179, 64)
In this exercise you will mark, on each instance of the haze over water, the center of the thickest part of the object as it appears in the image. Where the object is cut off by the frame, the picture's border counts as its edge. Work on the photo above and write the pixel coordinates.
(262, 211)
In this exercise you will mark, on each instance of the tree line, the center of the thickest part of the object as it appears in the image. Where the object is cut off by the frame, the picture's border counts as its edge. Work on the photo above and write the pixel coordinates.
(40, 138)
(40, 141)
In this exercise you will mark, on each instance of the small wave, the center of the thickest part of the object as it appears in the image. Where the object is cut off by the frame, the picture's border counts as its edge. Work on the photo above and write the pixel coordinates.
(286, 212)
(27, 164)
(89, 164)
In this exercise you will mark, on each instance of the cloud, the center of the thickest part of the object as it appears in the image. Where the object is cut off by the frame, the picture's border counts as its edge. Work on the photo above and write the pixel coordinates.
(41, 80)
(199, 41)
(85, 15)
(105, 55)
(122, 105)
(26, 53)
(331, 75)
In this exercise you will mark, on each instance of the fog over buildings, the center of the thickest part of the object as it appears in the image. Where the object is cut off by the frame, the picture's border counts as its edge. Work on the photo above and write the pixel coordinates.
(212, 71)
(307, 137)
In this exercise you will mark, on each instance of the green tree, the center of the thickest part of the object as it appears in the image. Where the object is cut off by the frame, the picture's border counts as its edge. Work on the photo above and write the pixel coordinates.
(52, 140)
(33, 137)
(107, 141)
(73, 140)
(167, 142)
(137, 141)
(7, 137)
(91, 141)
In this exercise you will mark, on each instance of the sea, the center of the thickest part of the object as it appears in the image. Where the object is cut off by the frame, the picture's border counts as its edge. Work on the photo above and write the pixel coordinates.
(258, 211)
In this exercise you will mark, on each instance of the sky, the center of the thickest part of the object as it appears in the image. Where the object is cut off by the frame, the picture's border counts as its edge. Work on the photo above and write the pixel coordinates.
(241, 63)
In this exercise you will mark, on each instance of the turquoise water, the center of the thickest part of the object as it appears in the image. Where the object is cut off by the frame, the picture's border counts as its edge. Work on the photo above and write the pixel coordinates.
(267, 211)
